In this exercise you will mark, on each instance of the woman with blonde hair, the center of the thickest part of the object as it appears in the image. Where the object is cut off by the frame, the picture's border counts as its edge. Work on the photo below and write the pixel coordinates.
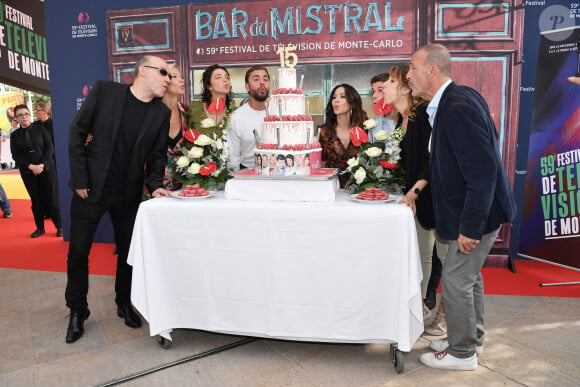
(413, 120)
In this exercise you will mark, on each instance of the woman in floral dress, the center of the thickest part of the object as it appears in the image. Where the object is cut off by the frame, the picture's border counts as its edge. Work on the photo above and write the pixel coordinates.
(211, 114)
(343, 112)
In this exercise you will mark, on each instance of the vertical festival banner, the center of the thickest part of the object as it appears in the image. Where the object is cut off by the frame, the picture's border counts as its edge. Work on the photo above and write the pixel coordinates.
(23, 54)
(551, 213)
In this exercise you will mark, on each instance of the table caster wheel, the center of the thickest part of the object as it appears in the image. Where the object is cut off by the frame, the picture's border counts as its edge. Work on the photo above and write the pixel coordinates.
(164, 343)
(392, 351)
(399, 361)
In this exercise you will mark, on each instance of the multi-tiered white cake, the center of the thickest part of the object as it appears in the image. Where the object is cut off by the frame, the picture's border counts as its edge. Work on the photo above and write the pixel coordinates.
(289, 144)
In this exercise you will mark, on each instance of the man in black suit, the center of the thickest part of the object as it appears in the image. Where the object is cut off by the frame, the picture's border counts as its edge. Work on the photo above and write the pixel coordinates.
(471, 200)
(117, 141)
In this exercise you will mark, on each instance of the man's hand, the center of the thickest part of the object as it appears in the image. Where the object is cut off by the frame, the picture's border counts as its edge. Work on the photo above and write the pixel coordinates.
(82, 192)
(159, 192)
(466, 244)
(575, 80)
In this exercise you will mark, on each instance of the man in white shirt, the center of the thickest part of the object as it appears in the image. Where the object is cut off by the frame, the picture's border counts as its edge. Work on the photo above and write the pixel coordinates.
(246, 118)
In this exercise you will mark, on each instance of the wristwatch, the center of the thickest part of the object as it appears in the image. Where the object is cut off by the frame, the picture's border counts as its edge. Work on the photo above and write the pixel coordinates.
(417, 191)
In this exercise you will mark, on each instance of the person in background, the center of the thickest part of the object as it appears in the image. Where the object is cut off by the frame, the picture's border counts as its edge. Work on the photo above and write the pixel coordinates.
(216, 94)
(32, 150)
(128, 126)
(385, 121)
(7, 159)
(471, 200)
(413, 120)
(44, 116)
(249, 116)
(343, 112)
(4, 202)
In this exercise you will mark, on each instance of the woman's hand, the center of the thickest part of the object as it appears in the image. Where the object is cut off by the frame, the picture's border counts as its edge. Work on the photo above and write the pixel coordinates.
(36, 169)
(160, 192)
(409, 200)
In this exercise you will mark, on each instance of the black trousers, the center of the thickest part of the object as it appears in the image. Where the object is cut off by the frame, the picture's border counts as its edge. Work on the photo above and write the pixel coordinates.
(85, 217)
(41, 189)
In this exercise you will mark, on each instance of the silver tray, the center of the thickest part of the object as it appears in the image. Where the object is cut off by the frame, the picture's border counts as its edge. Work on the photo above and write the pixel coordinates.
(322, 174)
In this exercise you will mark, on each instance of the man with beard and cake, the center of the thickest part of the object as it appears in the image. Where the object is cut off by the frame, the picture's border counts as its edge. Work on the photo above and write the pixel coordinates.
(247, 118)
(127, 126)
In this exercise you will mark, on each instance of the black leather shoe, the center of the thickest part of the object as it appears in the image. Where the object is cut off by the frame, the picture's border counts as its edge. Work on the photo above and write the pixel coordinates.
(131, 318)
(75, 326)
(37, 233)
(59, 232)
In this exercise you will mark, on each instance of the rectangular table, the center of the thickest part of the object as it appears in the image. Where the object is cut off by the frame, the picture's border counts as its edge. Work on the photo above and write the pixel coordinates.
(332, 272)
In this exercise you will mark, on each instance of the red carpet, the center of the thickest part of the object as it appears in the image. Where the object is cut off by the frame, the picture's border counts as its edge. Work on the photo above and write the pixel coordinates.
(48, 253)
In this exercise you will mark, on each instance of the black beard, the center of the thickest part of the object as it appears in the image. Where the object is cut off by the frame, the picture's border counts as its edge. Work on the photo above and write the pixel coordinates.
(259, 97)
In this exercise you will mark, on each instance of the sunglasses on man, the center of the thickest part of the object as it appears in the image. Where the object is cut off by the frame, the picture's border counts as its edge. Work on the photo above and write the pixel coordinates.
(161, 70)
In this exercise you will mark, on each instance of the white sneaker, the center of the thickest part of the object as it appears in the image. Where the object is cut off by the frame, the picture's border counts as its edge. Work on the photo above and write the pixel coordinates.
(442, 344)
(438, 325)
(426, 312)
(445, 361)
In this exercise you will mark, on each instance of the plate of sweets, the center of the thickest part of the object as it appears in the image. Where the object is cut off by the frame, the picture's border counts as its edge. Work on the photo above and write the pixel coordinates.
(372, 195)
(192, 191)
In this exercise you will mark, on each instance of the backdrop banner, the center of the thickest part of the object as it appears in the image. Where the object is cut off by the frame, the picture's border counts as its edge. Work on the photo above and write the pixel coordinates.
(551, 213)
(23, 57)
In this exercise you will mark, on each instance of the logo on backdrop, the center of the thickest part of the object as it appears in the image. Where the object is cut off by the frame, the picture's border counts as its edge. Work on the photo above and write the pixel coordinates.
(83, 17)
(85, 91)
(558, 17)
(84, 29)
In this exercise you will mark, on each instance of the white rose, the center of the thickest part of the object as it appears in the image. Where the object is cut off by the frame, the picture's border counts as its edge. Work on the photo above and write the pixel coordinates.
(353, 162)
(207, 123)
(369, 124)
(194, 168)
(381, 135)
(360, 175)
(182, 162)
(203, 140)
(195, 152)
(373, 152)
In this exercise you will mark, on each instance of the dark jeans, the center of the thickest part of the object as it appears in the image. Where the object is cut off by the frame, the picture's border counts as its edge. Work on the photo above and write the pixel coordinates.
(41, 189)
(85, 217)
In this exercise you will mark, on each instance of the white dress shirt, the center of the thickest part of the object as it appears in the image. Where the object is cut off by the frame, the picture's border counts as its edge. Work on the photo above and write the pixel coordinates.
(434, 104)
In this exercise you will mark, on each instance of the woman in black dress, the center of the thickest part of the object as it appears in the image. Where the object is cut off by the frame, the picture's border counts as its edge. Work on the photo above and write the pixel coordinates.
(33, 152)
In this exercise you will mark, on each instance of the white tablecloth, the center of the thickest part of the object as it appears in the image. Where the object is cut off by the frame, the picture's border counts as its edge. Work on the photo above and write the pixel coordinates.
(290, 190)
(333, 272)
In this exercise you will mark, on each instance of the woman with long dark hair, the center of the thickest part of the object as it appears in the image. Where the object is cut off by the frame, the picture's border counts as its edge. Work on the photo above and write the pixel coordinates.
(212, 113)
(343, 112)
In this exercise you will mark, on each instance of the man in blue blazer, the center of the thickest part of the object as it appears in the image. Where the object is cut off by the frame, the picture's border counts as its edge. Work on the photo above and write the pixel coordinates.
(471, 200)
(117, 142)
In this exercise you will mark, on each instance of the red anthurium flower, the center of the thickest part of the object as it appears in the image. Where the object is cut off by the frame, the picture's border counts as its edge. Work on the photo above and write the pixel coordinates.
(191, 135)
(358, 136)
(217, 106)
(388, 165)
(207, 170)
(381, 108)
